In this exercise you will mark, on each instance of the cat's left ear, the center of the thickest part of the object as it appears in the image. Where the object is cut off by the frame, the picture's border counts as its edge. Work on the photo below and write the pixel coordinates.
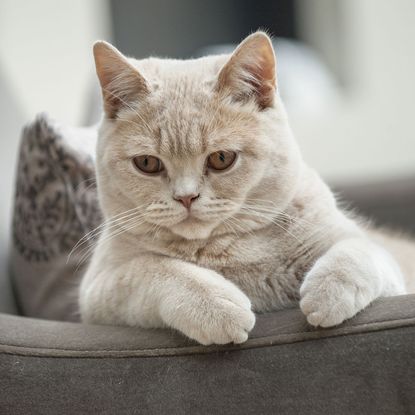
(121, 83)
(250, 71)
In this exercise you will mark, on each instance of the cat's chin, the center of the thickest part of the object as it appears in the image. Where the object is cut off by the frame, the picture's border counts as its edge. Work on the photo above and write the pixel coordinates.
(192, 229)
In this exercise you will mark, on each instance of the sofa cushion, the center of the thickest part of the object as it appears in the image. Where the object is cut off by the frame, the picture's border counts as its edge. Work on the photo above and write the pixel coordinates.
(55, 206)
(364, 366)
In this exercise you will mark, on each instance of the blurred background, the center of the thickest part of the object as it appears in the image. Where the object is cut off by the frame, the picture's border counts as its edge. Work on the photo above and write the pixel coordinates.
(346, 69)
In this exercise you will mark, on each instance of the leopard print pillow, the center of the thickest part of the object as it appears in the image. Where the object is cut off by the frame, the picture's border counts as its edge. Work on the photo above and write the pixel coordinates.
(55, 206)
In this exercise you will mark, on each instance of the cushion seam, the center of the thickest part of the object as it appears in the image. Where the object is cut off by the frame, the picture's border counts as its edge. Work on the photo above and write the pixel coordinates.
(253, 343)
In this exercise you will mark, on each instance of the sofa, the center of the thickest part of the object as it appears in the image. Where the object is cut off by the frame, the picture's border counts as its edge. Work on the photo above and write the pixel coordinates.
(364, 366)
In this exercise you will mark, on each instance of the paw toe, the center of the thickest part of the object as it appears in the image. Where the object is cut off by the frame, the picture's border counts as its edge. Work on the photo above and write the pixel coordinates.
(307, 305)
(314, 319)
(240, 337)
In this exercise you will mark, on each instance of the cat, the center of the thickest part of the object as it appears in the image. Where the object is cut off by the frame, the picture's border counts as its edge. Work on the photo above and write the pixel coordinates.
(211, 212)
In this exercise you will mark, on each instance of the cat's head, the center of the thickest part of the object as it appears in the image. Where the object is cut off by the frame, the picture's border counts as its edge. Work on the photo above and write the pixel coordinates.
(195, 146)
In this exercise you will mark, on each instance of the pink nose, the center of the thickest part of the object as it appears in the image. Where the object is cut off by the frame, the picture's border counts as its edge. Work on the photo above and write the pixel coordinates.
(187, 200)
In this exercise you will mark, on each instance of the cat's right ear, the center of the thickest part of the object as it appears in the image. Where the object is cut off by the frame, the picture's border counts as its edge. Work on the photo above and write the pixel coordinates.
(121, 83)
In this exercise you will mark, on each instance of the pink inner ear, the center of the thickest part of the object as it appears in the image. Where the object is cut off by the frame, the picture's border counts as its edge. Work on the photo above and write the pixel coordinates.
(263, 82)
(251, 72)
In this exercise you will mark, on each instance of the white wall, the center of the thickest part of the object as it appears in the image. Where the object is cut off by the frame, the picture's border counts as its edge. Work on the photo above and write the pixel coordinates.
(45, 65)
(45, 52)
(370, 131)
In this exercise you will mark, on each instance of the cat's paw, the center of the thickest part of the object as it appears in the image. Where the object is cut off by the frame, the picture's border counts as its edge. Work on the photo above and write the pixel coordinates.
(228, 321)
(221, 315)
(329, 299)
(345, 280)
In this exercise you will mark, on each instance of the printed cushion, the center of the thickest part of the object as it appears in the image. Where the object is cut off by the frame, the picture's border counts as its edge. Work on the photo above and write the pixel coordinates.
(55, 206)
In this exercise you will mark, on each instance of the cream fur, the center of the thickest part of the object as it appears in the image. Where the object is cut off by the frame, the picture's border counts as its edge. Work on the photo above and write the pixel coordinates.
(263, 235)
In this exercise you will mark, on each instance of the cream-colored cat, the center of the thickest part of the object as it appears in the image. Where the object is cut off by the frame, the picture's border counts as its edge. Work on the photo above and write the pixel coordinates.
(211, 212)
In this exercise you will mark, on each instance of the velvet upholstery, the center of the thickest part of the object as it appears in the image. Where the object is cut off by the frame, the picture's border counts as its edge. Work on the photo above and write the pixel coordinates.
(365, 366)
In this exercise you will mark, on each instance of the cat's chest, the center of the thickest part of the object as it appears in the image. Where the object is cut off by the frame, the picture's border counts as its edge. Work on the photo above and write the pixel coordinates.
(227, 251)
(268, 268)
(247, 256)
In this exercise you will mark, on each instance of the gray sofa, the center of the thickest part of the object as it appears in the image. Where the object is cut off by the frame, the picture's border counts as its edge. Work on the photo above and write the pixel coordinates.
(365, 366)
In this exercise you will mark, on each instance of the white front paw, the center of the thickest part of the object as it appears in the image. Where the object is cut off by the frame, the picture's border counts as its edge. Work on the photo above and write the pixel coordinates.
(329, 299)
(215, 315)
(346, 279)
(227, 321)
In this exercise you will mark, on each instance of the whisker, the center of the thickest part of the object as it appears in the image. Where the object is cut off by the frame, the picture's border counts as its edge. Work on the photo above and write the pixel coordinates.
(276, 213)
(91, 179)
(109, 222)
(107, 238)
(90, 248)
(272, 220)
(228, 226)
(271, 209)
(236, 222)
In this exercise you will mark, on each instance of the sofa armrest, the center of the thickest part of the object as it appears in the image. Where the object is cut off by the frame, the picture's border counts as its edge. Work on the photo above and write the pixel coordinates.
(35, 337)
(366, 365)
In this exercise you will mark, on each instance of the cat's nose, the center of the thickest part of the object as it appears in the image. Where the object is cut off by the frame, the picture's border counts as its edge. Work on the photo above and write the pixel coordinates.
(187, 200)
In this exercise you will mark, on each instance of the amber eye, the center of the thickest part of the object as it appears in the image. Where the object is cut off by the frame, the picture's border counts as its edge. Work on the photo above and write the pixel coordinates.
(148, 164)
(221, 160)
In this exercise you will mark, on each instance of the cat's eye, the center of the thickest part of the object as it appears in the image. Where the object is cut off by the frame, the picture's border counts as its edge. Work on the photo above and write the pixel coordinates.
(148, 164)
(221, 160)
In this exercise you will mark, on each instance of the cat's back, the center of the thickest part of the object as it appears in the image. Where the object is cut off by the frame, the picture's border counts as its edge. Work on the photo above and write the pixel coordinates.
(402, 248)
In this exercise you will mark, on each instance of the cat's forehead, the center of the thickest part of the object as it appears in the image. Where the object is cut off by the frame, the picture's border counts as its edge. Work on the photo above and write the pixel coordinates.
(186, 131)
(184, 116)
(181, 90)
(170, 70)
(195, 124)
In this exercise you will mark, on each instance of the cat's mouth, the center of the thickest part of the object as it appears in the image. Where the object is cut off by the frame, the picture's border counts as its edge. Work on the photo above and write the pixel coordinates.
(192, 227)
(191, 218)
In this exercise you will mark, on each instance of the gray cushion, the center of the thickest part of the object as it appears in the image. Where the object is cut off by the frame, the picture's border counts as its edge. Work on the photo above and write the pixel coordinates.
(365, 366)
(55, 205)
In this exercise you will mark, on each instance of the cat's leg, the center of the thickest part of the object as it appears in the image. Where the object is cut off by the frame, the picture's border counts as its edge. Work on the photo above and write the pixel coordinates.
(346, 279)
(156, 291)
